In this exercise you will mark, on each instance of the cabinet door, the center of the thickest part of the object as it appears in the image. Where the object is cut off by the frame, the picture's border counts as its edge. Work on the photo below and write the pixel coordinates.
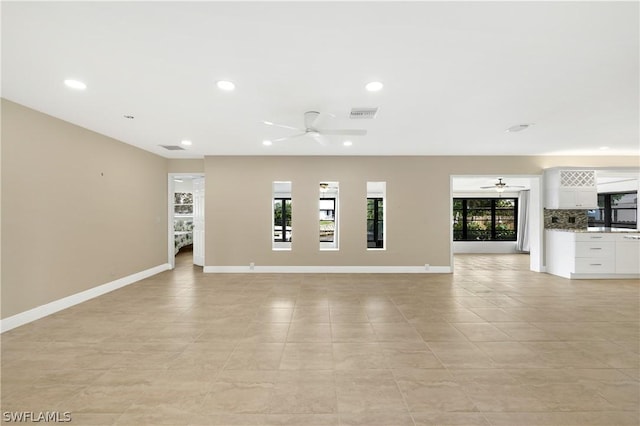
(628, 257)
(587, 198)
(567, 198)
(595, 249)
(588, 265)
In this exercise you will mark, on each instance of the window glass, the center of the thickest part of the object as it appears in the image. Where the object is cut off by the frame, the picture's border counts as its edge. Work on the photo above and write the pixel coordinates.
(485, 219)
(282, 214)
(615, 210)
(376, 193)
(328, 215)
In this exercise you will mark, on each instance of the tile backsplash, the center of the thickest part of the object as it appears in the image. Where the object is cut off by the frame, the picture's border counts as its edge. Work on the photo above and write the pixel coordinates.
(565, 219)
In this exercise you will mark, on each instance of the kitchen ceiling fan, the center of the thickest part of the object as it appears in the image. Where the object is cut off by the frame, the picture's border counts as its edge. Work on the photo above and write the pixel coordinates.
(312, 119)
(500, 186)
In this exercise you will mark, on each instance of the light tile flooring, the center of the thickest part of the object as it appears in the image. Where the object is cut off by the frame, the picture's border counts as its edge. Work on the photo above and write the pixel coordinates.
(492, 344)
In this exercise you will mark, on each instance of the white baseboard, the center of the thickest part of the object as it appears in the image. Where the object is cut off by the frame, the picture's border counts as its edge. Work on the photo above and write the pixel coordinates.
(330, 269)
(66, 302)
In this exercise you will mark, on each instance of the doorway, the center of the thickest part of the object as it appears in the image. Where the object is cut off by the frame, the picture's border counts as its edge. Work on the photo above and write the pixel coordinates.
(186, 219)
(469, 192)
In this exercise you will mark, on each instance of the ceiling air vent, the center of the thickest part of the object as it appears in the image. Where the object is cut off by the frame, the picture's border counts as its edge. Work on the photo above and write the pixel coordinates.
(368, 113)
(173, 147)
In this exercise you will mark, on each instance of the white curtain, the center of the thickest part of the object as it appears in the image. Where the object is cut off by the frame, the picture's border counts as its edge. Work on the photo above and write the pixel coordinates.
(522, 244)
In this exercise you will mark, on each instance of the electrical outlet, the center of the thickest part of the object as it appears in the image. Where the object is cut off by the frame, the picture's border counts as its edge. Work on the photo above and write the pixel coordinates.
(252, 266)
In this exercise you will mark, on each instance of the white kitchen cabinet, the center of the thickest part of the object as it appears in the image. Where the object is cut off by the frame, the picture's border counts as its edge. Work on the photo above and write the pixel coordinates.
(597, 255)
(628, 254)
(570, 189)
(577, 198)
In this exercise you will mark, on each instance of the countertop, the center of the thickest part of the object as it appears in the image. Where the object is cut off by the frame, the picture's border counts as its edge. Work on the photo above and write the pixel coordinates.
(599, 230)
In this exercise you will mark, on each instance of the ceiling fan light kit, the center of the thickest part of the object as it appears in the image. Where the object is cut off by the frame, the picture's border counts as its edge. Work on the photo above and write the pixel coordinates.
(500, 186)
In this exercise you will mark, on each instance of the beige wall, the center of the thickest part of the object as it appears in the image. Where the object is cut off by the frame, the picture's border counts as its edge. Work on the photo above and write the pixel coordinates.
(185, 166)
(78, 209)
(238, 205)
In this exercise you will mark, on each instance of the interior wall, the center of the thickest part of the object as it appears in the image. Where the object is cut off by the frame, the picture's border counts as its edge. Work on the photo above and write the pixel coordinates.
(238, 205)
(185, 165)
(79, 209)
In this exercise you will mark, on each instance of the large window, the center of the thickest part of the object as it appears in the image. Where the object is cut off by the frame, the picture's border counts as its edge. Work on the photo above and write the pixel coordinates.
(485, 219)
(615, 210)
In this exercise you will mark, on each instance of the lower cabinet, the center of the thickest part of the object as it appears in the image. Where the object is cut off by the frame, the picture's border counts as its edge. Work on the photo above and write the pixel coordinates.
(628, 254)
(593, 255)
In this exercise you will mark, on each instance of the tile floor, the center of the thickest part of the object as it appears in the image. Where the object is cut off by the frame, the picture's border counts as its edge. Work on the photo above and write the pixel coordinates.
(492, 344)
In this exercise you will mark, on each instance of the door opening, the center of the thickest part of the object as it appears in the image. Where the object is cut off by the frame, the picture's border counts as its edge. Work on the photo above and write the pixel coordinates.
(186, 219)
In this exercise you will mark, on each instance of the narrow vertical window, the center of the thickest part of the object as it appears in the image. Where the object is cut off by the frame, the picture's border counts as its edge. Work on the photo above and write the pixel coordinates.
(328, 216)
(376, 225)
(282, 213)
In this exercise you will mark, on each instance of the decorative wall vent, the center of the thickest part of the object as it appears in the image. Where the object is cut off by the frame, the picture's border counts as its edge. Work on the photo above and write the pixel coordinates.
(173, 147)
(577, 178)
(363, 113)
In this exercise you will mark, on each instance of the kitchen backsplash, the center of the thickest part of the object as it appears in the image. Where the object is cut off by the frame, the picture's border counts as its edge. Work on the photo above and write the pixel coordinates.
(565, 219)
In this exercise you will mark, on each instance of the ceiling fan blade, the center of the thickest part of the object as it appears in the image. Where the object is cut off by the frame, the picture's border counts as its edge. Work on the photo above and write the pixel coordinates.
(318, 138)
(288, 137)
(514, 186)
(488, 187)
(321, 119)
(346, 132)
(268, 123)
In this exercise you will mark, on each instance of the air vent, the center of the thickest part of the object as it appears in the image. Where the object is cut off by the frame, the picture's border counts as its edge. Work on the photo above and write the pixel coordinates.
(366, 113)
(173, 147)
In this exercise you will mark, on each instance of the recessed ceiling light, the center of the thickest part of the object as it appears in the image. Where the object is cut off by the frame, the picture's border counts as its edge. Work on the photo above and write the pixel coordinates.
(186, 143)
(75, 84)
(604, 148)
(374, 86)
(347, 143)
(267, 143)
(225, 85)
(518, 127)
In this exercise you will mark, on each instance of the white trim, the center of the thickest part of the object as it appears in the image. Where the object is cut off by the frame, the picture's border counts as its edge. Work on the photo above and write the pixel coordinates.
(331, 269)
(69, 301)
(575, 276)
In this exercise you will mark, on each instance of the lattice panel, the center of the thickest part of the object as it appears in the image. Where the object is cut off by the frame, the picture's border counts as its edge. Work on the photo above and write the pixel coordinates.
(577, 178)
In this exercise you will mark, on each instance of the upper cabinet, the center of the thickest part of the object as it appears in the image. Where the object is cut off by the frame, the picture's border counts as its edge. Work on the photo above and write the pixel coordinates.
(570, 189)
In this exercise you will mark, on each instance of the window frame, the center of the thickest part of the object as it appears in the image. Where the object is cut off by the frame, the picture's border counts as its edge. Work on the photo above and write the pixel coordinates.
(492, 209)
(378, 240)
(283, 223)
(334, 216)
(607, 212)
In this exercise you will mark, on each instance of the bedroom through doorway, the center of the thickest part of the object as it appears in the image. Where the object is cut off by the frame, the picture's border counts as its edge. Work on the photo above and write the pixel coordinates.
(186, 220)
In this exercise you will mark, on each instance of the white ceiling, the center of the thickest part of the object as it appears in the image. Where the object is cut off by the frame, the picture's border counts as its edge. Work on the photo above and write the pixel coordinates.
(456, 74)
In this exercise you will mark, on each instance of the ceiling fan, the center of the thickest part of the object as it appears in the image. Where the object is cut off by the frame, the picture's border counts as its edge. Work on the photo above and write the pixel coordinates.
(311, 121)
(500, 186)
